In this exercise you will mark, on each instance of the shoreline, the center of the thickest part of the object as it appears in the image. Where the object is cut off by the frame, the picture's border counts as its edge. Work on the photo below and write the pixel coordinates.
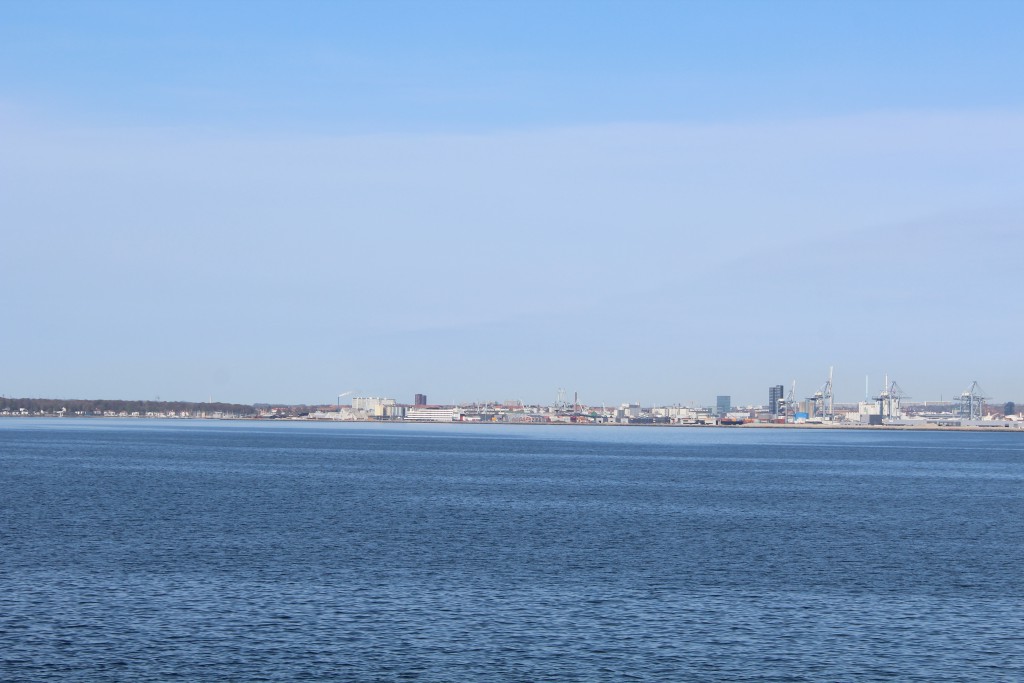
(998, 426)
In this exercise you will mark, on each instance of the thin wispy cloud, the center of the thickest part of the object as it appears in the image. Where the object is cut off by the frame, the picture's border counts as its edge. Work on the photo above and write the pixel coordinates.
(395, 235)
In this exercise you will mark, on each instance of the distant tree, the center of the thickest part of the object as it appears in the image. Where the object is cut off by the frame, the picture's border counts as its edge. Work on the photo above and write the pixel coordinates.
(1010, 408)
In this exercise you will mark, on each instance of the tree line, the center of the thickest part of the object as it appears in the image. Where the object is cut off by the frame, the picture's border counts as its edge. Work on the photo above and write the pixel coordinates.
(91, 406)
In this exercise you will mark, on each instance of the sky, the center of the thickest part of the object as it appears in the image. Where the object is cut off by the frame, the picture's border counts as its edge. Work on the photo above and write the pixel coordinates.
(653, 202)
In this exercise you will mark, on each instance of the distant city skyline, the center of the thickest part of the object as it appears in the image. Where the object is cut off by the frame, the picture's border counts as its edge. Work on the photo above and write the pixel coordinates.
(720, 403)
(656, 202)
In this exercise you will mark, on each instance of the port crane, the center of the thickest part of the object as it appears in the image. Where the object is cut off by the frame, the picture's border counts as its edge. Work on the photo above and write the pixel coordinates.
(971, 403)
(560, 404)
(889, 400)
(821, 403)
(790, 403)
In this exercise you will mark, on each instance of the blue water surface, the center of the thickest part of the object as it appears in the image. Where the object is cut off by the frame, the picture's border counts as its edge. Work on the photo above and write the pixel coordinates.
(249, 551)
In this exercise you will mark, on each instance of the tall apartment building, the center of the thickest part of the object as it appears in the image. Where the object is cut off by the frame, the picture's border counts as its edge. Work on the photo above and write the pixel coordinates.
(723, 405)
(420, 400)
(776, 395)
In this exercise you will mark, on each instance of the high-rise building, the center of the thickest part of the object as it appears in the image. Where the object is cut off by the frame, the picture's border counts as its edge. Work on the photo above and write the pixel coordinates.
(421, 400)
(776, 395)
(723, 405)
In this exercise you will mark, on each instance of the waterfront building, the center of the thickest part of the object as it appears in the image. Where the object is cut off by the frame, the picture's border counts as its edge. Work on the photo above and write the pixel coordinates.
(433, 414)
(420, 400)
(370, 404)
(776, 397)
(723, 405)
(391, 412)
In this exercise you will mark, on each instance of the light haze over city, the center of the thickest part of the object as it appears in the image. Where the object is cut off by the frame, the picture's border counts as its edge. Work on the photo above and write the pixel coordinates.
(653, 202)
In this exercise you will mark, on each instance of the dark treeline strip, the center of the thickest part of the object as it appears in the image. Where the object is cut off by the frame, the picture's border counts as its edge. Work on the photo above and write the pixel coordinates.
(91, 406)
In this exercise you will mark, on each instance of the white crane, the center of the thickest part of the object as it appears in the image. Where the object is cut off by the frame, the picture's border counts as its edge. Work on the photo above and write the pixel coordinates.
(791, 403)
(971, 403)
(890, 400)
(821, 403)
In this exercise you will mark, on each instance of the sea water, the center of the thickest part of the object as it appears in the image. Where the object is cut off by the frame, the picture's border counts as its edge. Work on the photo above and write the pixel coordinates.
(248, 551)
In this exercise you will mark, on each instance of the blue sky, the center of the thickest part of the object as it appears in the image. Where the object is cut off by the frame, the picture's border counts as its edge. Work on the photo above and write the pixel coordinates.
(654, 202)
